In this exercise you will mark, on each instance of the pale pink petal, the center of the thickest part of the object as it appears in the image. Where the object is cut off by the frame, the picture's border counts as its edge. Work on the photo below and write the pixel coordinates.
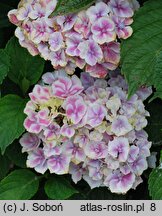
(96, 150)
(99, 10)
(91, 52)
(119, 183)
(75, 108)
(59, 164)
(119, 148)
(37, 160)
(29, 142)
(121, 126)
(121, 8)
(96, 114)
(103, 30)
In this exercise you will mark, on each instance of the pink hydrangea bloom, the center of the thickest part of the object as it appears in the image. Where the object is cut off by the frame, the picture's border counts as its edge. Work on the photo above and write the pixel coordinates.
(120, 183)
(75, 108)
(119, 148)
(82, 24)
(75, 151)
(121, 8)
(87, 127)
(59, 164)
(96, 150)
(32, 126)
(40, 94)
(64, 87)
(90, 51)
(40, 31)
(96, 114)
(52, 132)
(12, 15)
(121, 126)
(111, 52)
(67, 131)
(36, 159)
(58, 58)
(139, 165)
(98, 70)
(122, 28)
(29, 142)
(74, 40)
(37, 12)
(23, 12)
(66, 22)
(55, 41)
(76, 172)
(103, 30)
(72, 46)
(99, 10)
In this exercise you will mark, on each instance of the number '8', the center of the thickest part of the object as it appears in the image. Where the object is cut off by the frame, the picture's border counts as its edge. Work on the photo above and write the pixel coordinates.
(153, 207)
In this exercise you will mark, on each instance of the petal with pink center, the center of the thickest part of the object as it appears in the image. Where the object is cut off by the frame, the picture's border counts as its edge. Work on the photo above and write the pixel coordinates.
(99, 10)
(72, 45)
(76, 172)
(52, 132)
(82, 24)
(59, 164)
(121, 126)
(58, 58)
(67, 131)
(96, 150)
(103, 30)
(55, 41)
(12, 15)
(32, 126)
(75, 108)
(139, 165)
(111, 52)
(40, 94)
(75, 151)
(119, 148)
(121, 8)
(133, 153)
(29, 142)
(90, 51)
(98, 70)
(36, 159)
(96, 114)
(65, 87)
(119, 183)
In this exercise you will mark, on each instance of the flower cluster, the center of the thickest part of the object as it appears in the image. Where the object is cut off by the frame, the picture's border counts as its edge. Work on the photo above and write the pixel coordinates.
(86, 40)
(87, 127)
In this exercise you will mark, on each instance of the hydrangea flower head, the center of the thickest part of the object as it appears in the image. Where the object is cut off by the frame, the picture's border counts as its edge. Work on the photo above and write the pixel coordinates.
(88, 128)
(87, 39)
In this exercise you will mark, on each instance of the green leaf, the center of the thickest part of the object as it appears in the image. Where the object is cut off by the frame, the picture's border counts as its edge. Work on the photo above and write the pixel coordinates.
(11, 119)
(15, 155)
(19, 185)
(71, 6)
(155, 184)
(4, 65)
(5, 164)
(25, 70)
(59, 188)
(141, 54)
